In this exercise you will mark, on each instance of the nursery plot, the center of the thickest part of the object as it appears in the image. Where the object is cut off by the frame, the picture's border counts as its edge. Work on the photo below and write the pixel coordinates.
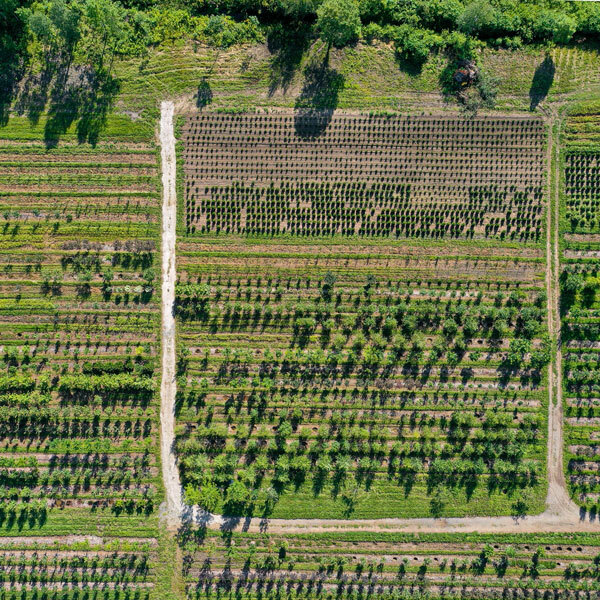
(66, 568)
(317, 174)
(582, 170)
(78, 330)
(580, 305)
(582, 188)
(361, 380)
(387, 565)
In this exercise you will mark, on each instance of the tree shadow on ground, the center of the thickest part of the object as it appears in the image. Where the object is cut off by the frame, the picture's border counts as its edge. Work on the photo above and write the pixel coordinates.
(288, 42)
(543, 79)
(35, 88)
(204, 95)
(33, 96)
(85, 97)
(68, 94)
(318, 99)
(413, 68)
(12, 62)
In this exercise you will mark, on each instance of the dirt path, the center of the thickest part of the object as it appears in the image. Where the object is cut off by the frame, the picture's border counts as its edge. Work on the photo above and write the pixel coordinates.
(174, 505)
(546, 522)
(561, 513)
(558, 500)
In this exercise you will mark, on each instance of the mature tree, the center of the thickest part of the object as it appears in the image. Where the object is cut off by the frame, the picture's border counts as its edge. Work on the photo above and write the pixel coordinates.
(66, 21)
(107, 22)
(555, 26)
(299, 8)
(517, 350)
(414, 45)
(439, 14)
(571, 283)
(477, 17)
(56, 25)
(338, 22)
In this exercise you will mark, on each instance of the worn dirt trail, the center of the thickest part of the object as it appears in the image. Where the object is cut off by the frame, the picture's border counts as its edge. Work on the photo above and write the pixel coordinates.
(558, 500)
(561, 513)
(174, 504)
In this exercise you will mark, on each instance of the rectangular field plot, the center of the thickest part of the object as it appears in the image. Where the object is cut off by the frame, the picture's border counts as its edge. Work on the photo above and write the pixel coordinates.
(386, 565)
(314, 174)
(580, 304)
(78, 328)
(582, 171)
(361, 379)
(71, 568)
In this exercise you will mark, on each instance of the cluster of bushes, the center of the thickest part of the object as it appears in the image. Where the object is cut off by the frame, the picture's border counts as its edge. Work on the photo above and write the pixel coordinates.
(414, 26)
(364, 325)
(121, 383)
(163, 24)
(98, 30)
(417, 27)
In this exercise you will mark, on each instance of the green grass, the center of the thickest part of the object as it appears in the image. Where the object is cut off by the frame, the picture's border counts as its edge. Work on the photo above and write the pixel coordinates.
(387, 499)
(73, 521)
(244, 77)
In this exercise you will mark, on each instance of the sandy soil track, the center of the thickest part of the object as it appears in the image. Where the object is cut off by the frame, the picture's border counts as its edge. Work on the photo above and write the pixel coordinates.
(174, 504)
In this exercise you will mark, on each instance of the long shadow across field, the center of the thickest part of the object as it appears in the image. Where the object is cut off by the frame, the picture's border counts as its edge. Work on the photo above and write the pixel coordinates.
(318, 99)
(287, 43)
(68, 94)
(13, 49)
(543, 79)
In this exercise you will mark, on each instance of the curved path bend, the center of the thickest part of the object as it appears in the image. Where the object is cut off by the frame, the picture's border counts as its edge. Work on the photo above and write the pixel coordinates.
(561, 514)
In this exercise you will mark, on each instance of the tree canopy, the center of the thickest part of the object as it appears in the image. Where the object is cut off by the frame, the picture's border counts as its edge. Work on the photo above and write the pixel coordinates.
(338, 22)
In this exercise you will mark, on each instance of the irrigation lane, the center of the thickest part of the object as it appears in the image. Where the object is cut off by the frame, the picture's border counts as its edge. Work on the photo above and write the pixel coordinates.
(561, 514)
(174, 504)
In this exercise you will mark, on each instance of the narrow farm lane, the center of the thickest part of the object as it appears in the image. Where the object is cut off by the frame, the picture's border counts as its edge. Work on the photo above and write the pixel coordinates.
(558, 500)
(170, 473)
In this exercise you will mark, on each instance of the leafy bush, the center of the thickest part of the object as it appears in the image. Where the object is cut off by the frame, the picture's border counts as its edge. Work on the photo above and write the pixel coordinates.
(414, 45)
(556, 26)
(338, 22)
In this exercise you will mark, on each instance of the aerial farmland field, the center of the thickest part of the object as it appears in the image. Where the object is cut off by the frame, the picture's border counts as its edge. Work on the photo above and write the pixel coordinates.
(329, 364)
(299, 299)
(78, 324)
(579, 284)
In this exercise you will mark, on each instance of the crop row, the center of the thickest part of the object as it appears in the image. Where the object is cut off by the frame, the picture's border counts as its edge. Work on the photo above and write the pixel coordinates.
(366, 177)
(580, 315)
(314, 400)
(78, 323)
(361, 564)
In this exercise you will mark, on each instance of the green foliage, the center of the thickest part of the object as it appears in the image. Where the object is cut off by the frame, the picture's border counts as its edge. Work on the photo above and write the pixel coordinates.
(516, 352)
(307, 414)
(206, 497)
(477, 18)
(414, 45)
(571, 282)
(299, 8)
(223, 32)
(338, 22)
(93, 30)
(555, 26)
(439, 14)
